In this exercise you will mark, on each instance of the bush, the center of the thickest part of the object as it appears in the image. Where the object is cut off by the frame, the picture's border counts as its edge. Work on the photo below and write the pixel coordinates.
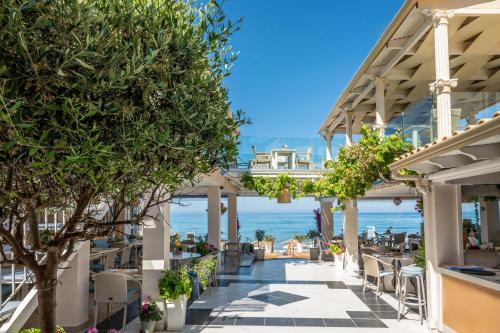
(175, 283)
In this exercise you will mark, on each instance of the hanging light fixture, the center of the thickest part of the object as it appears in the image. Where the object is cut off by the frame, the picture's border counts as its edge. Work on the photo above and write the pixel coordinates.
(397, 201)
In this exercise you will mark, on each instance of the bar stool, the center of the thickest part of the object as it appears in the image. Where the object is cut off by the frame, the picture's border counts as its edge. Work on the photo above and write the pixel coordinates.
(406, 273)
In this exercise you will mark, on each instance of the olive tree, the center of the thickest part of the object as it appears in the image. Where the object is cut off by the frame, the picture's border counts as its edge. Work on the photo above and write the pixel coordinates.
(104, 100)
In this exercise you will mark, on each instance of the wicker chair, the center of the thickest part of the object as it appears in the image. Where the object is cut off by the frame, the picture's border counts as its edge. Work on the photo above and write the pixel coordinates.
(125, 257)
(372, 268)
(111, 288)
(109, 262)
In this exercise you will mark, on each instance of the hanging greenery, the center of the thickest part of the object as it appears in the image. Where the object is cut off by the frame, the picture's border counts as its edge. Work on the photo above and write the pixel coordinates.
(271, 187)
(354, 171)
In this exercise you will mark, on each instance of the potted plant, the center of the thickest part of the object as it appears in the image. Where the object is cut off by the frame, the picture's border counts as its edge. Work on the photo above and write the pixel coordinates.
(175, 288)
(269, 244)
(284, 187)
(335, 249)
(300, 239)
(259, 252)
(204, 248)
(150, 314)
(314, 235)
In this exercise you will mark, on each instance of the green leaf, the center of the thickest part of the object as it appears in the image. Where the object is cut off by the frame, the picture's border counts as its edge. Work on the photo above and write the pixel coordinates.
(84, 64)
(33, 151)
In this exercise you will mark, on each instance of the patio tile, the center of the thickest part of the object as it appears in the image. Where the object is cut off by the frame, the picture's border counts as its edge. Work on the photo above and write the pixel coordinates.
(387, 314)
(250, 321)
(361, 314)
(224, 320)
(279, 321)
(372, 323)
(309, 322)
(336, 285)
(197, 316)
(339, 322)
(380, 307)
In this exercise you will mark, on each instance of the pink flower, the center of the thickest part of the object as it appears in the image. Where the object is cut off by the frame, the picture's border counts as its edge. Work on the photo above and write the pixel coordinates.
(92, 330)
(145, 306)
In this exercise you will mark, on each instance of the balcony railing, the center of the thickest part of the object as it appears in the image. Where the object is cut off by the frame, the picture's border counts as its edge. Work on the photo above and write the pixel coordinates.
(279, 153)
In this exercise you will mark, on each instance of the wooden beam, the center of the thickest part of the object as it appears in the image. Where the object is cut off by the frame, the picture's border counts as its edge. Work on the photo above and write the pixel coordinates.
(336, 122)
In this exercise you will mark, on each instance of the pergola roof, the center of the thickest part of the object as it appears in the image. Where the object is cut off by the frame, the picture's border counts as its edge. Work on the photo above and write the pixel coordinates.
(404, 58)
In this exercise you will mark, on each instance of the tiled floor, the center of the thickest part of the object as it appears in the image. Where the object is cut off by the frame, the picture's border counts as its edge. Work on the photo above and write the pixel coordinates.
(296, 296)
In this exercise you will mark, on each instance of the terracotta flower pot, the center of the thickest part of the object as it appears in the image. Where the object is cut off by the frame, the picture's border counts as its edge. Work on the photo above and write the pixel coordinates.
(285, 196)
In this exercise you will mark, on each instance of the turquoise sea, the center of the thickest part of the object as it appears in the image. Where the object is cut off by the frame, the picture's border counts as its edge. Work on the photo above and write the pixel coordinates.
(284, 226)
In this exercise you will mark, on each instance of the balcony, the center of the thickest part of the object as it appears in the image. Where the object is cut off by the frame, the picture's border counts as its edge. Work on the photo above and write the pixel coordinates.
(278, 154)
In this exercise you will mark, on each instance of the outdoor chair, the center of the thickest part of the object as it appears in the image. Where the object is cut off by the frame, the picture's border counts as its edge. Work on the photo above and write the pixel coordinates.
(212, 278)
(125, 257)
(232, 250)
(261, 159)
(380, 239)
(399, 241)
(413, 242)
(305, 160)
(372, 268)
(111, 288)
(109, 262)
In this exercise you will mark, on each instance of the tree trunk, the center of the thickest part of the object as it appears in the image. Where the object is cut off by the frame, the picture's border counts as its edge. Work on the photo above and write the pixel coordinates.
(46, 283)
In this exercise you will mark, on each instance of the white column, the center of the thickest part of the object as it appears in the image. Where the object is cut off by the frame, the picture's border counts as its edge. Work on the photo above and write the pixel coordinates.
(490, 223)
(443, 242)
(442, 86)
(213, 212)
(232, 217)
(156, 252)
(350, 226)
(73, 290)
(326, 220)
(380, 117)
(328, 146)
(348, 128)
(350, 223)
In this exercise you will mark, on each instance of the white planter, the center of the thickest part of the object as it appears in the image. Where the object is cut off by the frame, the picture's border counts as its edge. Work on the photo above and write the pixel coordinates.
(299, 247)
(268, 246)
(148, 326)
(259, 254)
(176, 314)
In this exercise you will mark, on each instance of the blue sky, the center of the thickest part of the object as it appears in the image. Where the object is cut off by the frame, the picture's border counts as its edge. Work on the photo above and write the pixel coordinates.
(296, 57)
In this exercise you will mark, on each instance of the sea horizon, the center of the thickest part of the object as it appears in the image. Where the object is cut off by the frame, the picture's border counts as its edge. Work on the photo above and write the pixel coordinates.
(284, 226)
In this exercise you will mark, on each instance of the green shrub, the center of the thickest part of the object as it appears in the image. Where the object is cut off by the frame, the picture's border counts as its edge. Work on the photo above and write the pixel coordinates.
(175, 283)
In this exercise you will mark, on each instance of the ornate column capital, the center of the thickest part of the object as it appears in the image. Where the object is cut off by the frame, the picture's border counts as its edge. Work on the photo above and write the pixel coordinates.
(439, 16)
(441, 86)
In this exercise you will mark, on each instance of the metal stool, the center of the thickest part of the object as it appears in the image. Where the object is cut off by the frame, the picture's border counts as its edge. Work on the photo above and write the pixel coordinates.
(407, 273)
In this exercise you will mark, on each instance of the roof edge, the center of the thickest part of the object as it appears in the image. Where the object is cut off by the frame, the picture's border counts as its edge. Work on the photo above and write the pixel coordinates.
(401, 15)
